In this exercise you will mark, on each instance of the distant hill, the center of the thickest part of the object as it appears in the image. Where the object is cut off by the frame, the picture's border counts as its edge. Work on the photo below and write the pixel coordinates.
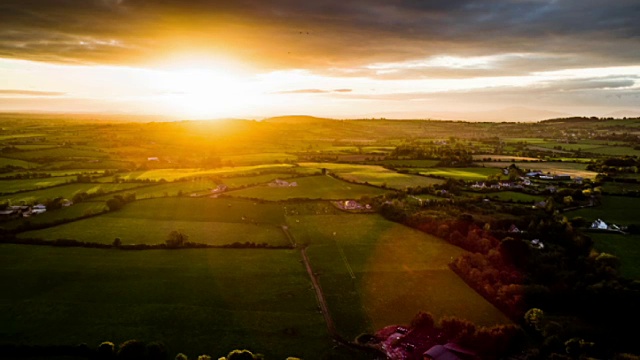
(296, 119)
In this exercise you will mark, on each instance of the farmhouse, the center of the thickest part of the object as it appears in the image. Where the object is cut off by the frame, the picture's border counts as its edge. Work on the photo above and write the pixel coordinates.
(38, 209)
(599, 224)
(514, 229)
(562, 177)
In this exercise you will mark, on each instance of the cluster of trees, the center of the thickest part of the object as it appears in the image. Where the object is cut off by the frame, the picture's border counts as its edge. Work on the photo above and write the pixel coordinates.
(611, 166)
(118, 201)
(565, 276)
(448, 155)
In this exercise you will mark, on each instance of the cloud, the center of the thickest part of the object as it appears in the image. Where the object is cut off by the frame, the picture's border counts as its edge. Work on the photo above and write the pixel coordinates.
(18, 92)
(331, 34)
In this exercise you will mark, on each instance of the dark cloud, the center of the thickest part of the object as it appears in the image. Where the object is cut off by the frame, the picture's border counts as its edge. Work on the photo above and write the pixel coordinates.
(12, 92)
(322, 34)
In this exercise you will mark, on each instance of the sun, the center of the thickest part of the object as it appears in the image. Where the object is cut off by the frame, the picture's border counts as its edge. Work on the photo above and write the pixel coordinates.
(199, 92)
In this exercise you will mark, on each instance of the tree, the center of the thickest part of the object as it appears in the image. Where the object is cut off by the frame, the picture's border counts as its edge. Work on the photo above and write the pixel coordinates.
(106, 350)
(176, 239)
(132, 350)
(116, 242)
(241, 355)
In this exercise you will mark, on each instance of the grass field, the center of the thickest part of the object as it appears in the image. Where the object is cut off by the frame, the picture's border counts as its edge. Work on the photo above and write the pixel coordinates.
(262, 158)
(374, 174)
(146, 191)
(495, 157)
(58, 153)
(620, 188)
(311, 187)
(207, 221)
(614, 209)
(15, 162)
(54, 173)
(569, 168)
(625, 247)
(408, 163)
(175, 174)
(467, 174)
(11, 186)
(375, 273)
(196, 301)
(65, 191)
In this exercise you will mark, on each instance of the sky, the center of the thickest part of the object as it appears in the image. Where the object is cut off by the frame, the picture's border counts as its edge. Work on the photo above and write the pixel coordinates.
(501, 60)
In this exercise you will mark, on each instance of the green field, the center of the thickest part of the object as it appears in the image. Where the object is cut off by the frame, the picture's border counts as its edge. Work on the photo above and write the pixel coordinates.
(148, 191)
(569, 168)
(374, 175)
(495, 157)
(54, 173)
(375, 273)
(408, 163)
(65, 191)
(311, 187)
(262, 158)
(19, 163)
(613, 209)
(176, 174)
(625, 247)
(466, 174)
(11, 186)
(58, 153)
(206, 221)
(196, 301)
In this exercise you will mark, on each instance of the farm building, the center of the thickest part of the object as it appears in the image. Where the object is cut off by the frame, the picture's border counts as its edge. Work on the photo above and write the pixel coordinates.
(599, 224)
(38, 209)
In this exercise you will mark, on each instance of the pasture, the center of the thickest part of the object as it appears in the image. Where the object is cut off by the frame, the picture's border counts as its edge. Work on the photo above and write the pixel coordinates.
(205, 221)
(58, 153)
(555, 168)
(12, 186)
(310, 187)
(176, 174)
(374, 175)
(18, 163)
(204, 301)
(260, 158)
(466, 174)
(65, 191)
(375, 272)
(625, 247)
(613, 209)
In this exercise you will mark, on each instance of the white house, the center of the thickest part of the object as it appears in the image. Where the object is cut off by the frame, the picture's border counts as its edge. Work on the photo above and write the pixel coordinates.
(599, 224)
(38, 209)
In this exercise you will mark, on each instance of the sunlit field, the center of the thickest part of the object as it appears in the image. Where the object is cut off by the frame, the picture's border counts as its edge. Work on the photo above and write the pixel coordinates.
(312, 187)
(375, 272)
(204, 221)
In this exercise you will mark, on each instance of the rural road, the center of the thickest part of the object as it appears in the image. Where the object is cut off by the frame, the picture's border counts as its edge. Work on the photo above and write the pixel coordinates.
(319, 295)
